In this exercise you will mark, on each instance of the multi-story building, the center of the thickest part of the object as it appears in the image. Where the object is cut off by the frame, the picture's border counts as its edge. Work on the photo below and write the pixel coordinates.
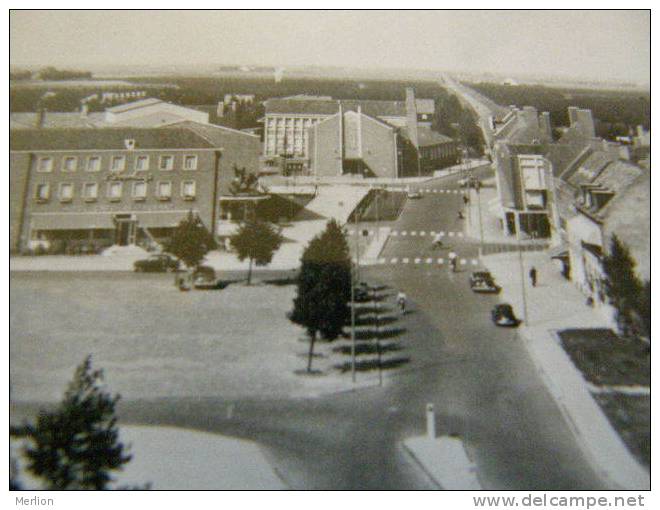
(96, 187)
(288, 123)
(617, 202)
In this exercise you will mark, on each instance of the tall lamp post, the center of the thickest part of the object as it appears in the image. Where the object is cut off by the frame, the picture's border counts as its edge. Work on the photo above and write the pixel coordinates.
(354, 275)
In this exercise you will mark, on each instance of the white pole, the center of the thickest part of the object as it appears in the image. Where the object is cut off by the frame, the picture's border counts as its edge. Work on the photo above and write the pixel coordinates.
(522, 277)
(430, 421)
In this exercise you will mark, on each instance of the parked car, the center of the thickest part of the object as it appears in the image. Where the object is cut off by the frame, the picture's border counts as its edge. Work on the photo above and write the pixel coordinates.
(414, 194)
(158, 263)
(503, 315)
(483, 281)
(362, 292)
(204, 278)
(469, 182)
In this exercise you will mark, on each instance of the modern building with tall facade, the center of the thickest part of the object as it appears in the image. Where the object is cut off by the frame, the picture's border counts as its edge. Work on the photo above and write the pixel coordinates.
(307, 135)
(98, 187)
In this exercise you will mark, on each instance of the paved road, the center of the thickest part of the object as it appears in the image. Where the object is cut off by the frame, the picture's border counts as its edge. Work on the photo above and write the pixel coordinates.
(480, 379)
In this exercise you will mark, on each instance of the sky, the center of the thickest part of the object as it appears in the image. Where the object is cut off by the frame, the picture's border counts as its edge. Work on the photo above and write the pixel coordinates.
(599, 45)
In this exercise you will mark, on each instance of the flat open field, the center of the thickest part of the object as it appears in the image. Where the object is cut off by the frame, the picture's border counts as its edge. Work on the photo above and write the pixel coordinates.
(154, 341)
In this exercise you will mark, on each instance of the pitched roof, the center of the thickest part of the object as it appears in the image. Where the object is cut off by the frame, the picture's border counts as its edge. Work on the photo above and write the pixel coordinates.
(213, 133)
(591, 168)
(106, 139)
(30, 120)
(373, 108)
(566, 157)
(426, 137)
(134, 105)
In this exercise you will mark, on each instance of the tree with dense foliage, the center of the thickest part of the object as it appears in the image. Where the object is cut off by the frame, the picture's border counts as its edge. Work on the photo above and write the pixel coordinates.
(76, 447)
(190, 241)
(324, 287)
(257, 241)
(623, 287)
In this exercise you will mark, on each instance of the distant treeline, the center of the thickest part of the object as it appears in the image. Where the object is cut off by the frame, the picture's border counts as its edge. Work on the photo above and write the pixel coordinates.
(50, 73)
(616, 111)
(451, 118)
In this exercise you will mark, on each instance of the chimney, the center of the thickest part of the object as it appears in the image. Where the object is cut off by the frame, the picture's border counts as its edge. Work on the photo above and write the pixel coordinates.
(411, 116)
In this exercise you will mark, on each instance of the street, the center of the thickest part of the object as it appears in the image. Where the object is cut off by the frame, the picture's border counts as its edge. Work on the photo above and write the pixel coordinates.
(480, 379)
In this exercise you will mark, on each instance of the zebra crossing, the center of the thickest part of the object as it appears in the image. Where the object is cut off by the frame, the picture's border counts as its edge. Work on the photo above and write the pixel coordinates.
(409, 233)
(429, 261)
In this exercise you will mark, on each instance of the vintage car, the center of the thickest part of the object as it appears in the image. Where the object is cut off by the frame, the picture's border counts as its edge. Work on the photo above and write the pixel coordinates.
(158, 263)
(502, 315)
(204, 278)
(483, 282)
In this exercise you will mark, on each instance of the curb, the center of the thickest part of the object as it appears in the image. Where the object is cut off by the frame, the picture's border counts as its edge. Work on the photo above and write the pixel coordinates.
(630, 473)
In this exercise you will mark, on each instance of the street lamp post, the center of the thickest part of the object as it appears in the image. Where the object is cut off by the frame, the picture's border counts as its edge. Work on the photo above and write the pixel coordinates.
(353, 276)
(522, 279)
(377, 334)
(481, 226)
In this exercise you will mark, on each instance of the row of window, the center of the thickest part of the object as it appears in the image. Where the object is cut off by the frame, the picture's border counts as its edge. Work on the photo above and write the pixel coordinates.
(117, 163)
(114, 190)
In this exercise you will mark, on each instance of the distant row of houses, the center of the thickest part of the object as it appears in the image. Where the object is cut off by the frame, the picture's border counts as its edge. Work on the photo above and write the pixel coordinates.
(132, 172)
(577, 192)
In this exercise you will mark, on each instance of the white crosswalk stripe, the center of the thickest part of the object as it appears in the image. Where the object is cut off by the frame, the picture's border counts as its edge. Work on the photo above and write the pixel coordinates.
(451, 234)
(394, 260)
(463, 262)
(418, 260)
(404, 233)
(413, 233)
(429, 261)
(381, 261)
(432, 233)
(459, 234)
(351, 232)
(475, 262)
(422, 233)
(405, 260)
(441, 261)
(394, 233)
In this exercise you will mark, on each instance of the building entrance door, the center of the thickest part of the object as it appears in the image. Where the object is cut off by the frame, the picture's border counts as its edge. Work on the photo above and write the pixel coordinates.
(125, 230)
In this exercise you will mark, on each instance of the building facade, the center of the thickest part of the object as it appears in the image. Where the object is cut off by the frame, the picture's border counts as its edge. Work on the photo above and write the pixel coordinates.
(84, 189)
(288, 123)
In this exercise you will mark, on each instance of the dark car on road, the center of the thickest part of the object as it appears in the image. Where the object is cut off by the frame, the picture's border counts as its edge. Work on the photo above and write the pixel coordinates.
(503, 315)
(204, 278)
(483, 282)
(158, 263)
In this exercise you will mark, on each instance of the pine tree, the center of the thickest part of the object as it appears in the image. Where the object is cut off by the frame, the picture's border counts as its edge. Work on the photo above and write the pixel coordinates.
(622, 286)
(257, 241)
(76, 446)
(324, 287)
(190, 241)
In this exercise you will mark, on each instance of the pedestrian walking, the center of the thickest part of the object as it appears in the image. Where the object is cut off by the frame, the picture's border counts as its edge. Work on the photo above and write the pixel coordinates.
(466, 200)
(532, 276)
(401, 301)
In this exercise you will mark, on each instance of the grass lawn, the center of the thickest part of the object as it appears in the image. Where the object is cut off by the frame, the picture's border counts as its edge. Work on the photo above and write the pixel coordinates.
(154, 341)
(605, 359)
(631, 417)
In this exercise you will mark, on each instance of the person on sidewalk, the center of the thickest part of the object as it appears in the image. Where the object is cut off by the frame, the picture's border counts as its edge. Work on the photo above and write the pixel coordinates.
(532, 276)
(466, 200)
(401, 299)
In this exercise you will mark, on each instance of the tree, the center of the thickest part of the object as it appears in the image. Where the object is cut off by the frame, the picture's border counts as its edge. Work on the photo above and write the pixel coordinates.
(644, 309)
(257, 241)
(324, 287)
(623, 287)
(191, 241)
(76, 446)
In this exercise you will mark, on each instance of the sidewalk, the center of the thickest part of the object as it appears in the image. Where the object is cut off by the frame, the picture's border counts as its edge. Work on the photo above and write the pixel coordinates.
(556, 304)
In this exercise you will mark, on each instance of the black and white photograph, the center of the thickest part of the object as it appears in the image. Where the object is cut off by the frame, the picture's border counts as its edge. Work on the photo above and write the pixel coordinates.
(330, 250)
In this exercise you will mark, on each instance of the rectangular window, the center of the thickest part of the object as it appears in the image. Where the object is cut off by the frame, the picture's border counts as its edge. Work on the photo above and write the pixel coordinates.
(118, 164)
(139, 190)
(164, 190)
(94, 164)
(188, 190)
(114, 191)
(42, 192)
(142, 163)
(45, 165)
(90, 191)
(166, 163)
(69, 164)
(190, 163)
(66, 192)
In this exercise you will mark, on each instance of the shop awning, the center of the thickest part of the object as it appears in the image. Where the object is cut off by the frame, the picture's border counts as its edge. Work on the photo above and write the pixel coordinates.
(161, 219)
(72, 221)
